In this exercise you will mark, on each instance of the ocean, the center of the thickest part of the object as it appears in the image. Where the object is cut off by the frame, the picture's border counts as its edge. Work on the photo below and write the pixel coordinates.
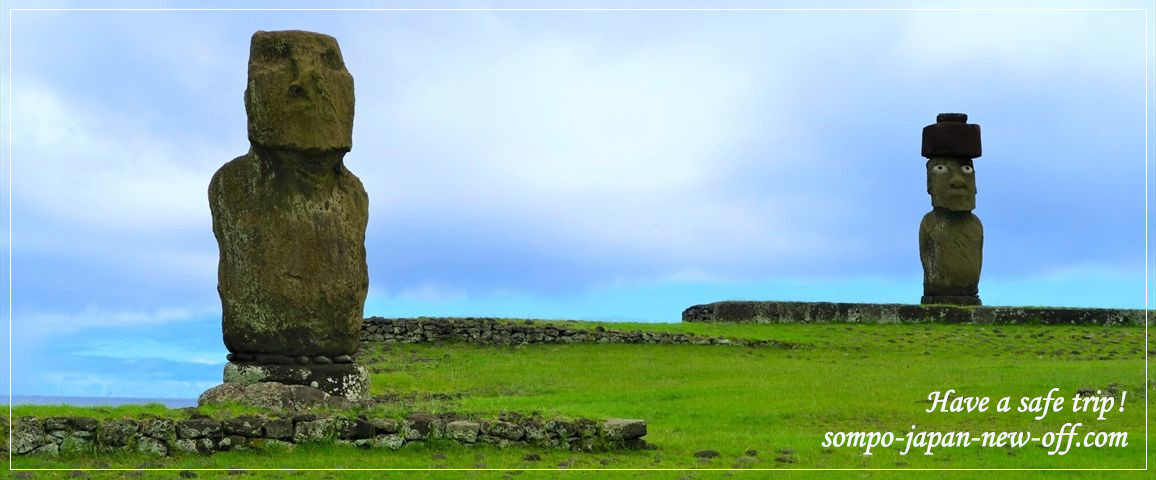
(96, 401)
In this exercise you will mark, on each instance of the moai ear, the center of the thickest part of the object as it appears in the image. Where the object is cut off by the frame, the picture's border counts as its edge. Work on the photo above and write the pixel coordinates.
(928, 167)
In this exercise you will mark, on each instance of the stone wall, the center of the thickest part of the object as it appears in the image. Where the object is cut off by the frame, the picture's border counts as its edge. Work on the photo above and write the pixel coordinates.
(825, 312)
(203, 435)
(491, 331)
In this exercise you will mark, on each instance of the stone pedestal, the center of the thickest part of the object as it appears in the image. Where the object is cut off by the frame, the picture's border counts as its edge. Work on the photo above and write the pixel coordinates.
(348, 380)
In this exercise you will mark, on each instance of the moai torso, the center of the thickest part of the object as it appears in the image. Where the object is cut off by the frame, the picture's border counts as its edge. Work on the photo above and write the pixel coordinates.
(951, 249)
(950, 236)
(289, 218)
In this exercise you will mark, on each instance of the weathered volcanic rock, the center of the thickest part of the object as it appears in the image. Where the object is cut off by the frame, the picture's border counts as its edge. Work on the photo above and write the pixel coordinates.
(289, 218)
(270, 395)
(347, 380)
(117, 432)
(950, 236)
(463, 431)
(27, 435)
(624, 429)
(951, 136)
(300, 95)
(951, 249)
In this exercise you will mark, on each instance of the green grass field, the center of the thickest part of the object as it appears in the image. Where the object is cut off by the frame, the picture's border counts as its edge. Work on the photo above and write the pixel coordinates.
(778, 402)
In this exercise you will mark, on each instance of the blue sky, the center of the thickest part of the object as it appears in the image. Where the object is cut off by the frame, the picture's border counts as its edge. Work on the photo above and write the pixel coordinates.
(590, 165)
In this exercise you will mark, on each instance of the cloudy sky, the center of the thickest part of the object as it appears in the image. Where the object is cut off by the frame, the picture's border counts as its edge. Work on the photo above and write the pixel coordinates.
(614, 165)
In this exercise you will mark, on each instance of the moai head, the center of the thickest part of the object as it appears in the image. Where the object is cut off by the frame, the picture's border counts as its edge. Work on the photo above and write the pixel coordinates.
(950, 144)
(299, 96)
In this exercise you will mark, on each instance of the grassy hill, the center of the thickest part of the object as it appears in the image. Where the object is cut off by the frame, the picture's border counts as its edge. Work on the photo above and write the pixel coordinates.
(757, 407)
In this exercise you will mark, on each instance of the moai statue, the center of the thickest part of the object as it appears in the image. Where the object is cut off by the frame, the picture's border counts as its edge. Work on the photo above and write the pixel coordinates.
(290, 223)
(950, 236)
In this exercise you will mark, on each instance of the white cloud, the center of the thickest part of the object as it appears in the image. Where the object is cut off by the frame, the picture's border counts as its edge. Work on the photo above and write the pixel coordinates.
(1085, 270)
(147, 348)
(558, 117)
(626, 145)
(105, 169)
(429, 292)
(48, 323)
(90, 384)
(624, 148)
(1031, 45)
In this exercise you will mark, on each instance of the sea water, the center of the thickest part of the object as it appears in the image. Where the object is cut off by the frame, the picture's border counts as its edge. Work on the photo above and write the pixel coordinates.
(96, 401)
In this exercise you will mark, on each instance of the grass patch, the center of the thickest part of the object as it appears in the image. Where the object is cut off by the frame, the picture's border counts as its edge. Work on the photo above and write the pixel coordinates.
(731, 400)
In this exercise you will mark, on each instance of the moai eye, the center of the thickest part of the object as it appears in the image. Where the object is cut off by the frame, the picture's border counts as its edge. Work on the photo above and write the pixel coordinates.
(939, 169)
(967, 169)
(332, 60)
(273, 52)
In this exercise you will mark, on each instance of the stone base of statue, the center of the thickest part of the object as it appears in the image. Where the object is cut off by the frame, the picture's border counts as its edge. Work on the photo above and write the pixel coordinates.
(348, 380)
(950, 300)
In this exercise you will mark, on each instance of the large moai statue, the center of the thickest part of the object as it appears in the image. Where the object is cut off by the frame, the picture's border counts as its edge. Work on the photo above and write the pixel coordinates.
(950, 236)
(290, 223)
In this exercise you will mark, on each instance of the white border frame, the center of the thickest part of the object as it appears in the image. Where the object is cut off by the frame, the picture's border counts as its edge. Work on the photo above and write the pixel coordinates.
(10, 319)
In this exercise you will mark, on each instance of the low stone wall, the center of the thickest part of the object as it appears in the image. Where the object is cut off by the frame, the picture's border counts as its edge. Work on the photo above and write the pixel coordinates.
(491, 331)
(826, 312)
(202, 435)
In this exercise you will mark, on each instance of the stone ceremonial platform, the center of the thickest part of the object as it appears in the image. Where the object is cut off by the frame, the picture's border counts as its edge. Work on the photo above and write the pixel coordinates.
(827, 312)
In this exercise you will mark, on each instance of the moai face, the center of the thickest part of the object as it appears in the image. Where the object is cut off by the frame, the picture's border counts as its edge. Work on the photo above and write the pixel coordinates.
(951, 183)
(299, 96)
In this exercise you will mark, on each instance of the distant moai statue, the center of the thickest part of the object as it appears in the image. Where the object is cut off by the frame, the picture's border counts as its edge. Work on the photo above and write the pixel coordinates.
(290, 221)
(950, 236)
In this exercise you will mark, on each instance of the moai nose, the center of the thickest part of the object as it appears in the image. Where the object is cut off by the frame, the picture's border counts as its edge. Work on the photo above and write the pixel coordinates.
(297, 91)
(308, 80)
